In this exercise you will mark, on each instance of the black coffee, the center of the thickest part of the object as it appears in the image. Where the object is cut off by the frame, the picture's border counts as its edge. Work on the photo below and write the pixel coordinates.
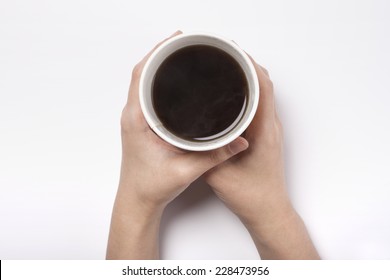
(199, 92)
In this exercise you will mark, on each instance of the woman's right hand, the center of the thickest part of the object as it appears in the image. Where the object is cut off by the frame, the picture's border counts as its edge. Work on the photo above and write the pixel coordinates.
(252, 183)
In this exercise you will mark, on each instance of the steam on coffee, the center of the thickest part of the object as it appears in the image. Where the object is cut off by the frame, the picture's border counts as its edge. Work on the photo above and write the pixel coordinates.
(199, 93)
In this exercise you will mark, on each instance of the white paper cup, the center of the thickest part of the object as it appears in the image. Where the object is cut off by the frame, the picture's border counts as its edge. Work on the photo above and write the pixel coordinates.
(184, 40)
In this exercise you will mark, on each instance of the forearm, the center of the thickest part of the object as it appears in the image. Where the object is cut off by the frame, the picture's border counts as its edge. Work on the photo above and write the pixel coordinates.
(279, 232)
(134, 229)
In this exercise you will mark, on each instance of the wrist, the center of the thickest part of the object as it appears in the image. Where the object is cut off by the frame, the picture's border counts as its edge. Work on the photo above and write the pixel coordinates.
(134, 229)
(142, 188)
(270, 218)
(129, 203)
(267, 211)
(253, 202)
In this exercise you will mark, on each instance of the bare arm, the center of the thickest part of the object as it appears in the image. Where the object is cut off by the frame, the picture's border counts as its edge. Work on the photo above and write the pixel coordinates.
(134, 229)
(281, 234)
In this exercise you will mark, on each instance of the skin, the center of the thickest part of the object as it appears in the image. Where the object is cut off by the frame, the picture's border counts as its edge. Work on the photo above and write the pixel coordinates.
(152, 177)
(253, 186)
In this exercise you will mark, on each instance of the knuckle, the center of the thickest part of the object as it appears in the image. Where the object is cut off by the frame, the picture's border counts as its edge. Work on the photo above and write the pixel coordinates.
(270, 84)
(219, 155)
(214, 157)
(274, 137)
(129, 117)
(278, 137)
(279, 125)
(265, 70)
(125, 117)
(137, 70)
(267, 86)
(182, 172)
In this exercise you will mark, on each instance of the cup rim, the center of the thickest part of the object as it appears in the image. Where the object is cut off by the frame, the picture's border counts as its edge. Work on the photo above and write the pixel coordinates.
(206, 145)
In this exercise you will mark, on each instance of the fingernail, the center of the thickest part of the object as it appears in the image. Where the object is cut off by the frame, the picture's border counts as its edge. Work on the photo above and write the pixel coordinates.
(177, 33)
(238, 146)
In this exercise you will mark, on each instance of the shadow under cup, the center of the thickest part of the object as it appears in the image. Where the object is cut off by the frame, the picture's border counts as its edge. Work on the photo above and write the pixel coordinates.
(198, 92)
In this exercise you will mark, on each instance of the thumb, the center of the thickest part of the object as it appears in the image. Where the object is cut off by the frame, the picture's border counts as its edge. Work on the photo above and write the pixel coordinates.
(203, 161)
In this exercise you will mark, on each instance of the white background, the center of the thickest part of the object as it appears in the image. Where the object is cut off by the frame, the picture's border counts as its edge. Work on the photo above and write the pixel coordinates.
(64, 73)
(277, 270)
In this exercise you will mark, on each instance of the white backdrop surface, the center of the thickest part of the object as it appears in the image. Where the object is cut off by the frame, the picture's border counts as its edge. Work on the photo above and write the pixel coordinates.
(64, 73)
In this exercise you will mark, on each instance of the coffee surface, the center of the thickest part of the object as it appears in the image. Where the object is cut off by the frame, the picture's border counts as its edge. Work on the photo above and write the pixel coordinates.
(198, 92)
